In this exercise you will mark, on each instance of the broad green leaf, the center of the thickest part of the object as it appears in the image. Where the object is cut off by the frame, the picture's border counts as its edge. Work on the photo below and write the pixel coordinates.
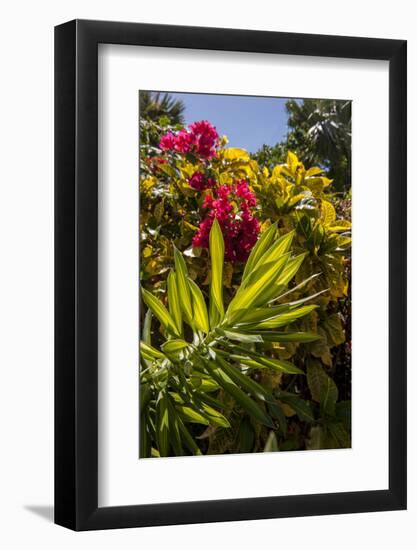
(293, 305)
(212, 401)
(259, 249)
(216, 244)
(343, 412)
(216, 418)
(144, 440)
(340, 225)
(322, 387)
(144, 396)
(302, 337)
(255, 292)
(146, 331)
(271, 444)
(188, 439)
(191, 415)
(263, 336)
(279, 279)
(344, 242)
(183, 286)
(174, 431)
(314, 171)
(251, 316)
(277, 412)
(297, 287)
(150, 352)
(244, 360)
(279, 365)
(162, 425)
(244, 381)
(260, 271)
(176, 397)
(239, 336)
(328, 213)
(214, 314)
(300, 406)
(291, 268)
(292, 161)
(200, 315)
(234, 153)
(246, 436)
(160, 312)
(206, 384)
(276, 364)
(340, 435)
(274, 252)
(316, 438)
(334, 329)
(174, 300)
(246, 402)
(174, 346)
(168, 170)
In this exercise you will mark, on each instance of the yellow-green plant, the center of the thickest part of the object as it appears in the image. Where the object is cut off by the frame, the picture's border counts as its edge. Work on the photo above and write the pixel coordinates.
(293, 200)
(212, 350)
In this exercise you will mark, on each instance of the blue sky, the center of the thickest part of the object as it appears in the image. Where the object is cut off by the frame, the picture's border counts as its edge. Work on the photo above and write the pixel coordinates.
(248, 121)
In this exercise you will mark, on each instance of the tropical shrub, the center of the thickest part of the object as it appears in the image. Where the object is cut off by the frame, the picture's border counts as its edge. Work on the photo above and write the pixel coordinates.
(192, 187)
(220, 349)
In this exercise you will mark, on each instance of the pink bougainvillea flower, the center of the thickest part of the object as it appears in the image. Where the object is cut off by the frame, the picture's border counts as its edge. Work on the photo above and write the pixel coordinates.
(183, 142)
(200, 182)
(167, 142)
(232, 207)
(205, 138)
(243, 191)
(208, 201)
(200, 138)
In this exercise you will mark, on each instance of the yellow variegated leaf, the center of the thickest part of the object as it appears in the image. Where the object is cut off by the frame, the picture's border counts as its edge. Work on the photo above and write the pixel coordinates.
(259, 249)
(276, 172)
(182, 285)
(191, 415)
(328, 213)
(200, 316)
(292, 162)
(291, 268)
(174, 346)
(160, 312)
(159, 210)
(150, 352)
(234, 153)
(255, 290)
(216, 244)
(281, 319)
(340, 225)
(314, 171)
(272, 253)
(174, 300)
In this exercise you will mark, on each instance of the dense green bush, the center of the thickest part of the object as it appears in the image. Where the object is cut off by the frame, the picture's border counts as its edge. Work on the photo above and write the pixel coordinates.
(213, 382)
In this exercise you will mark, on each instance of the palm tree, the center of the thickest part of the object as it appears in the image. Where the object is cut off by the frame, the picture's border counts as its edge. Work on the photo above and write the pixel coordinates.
(154, 105)
(321, 133)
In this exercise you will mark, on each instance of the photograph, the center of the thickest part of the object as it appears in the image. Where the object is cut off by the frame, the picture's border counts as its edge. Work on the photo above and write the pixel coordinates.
(245, 274)
(209, 266)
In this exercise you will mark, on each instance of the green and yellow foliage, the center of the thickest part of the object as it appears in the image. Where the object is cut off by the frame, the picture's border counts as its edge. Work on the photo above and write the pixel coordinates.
(242, 356)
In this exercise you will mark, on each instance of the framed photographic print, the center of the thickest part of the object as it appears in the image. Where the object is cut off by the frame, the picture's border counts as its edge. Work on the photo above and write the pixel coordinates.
(230, 275)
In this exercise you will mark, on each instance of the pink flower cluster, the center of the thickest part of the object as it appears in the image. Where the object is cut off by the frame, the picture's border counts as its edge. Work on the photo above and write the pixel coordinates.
(200, 182)
(239, 227)
(200, 138)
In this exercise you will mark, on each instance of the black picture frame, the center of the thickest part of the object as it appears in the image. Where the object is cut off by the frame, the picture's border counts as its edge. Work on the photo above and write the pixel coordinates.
(76, 271)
